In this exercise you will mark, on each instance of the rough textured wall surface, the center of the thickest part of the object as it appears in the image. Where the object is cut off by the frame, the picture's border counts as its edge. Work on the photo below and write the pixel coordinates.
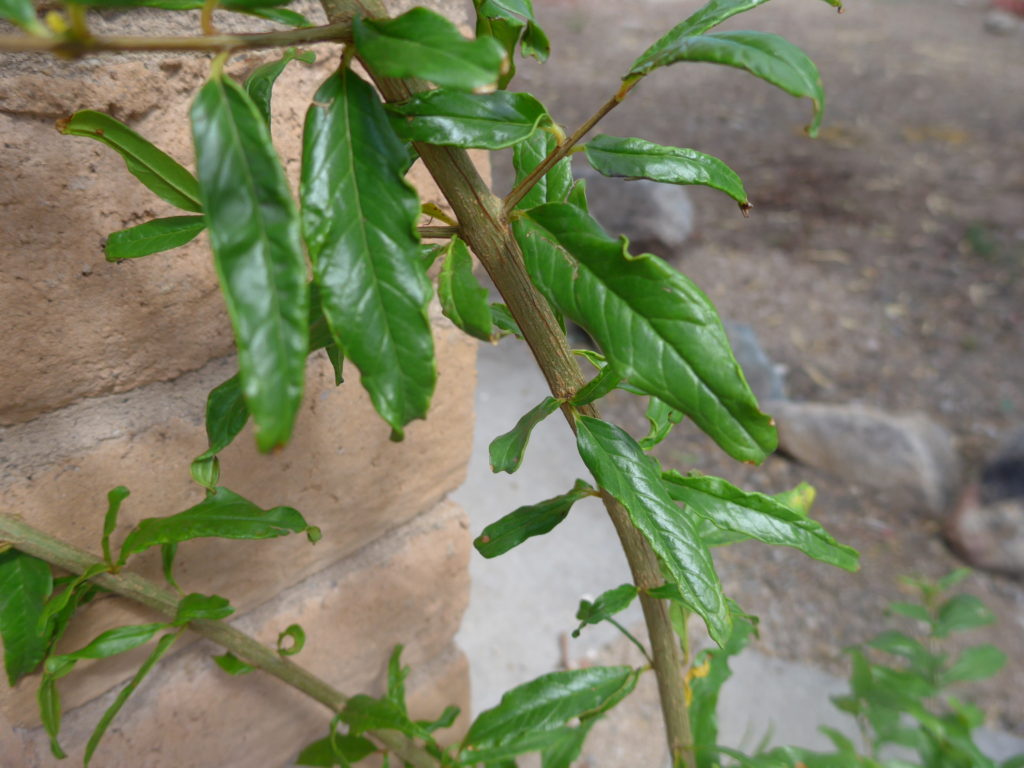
(107, 368)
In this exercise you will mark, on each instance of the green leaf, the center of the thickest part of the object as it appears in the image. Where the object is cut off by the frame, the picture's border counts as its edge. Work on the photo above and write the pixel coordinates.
(547, 703)
(396, 678)
(605, 381)
(50, 713)
(509, 22)
(280, 15)
(911, 611)
(260, 84)
(526, 522)
(654, 324)
(506, 451)
(622, 469)
(205, 472)
(114, 499)
(295, 634)
(162, 647)
(167, 555)
(975, 663)
(758, 516)
(223, 514)
(445, 720)
(257, 249)
(953, 578)
(232, 664)
(661, 417)
(153, 237)
(458, 119)
(163, 175)
(363, 713)
(359, 218)
(605, 606)
(565, 751)
(764, 55)
(22, 13)
(800, 498)
(504, 322)
(195, 606)
(463, 299)
(531, 741)
(25, 584)
(226, 416)
(109, 643)
(705, 18)
(960, 613)
(422, 43)
(641, 159)
(899, 644)
(555, 185)
(332, 750)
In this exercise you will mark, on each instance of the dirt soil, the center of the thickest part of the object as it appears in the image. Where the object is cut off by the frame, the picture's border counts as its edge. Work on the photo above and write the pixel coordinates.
(883, 263)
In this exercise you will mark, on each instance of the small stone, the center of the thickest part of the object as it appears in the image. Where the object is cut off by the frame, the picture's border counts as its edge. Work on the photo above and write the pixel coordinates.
(1000, 22)
(763, 375)
(872, 448)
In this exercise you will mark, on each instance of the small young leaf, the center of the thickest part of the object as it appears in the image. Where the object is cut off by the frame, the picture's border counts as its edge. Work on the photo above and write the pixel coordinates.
(911, 611)
(470, 120)
(506, 451)
(903, 645)
(975, 663)
(196, 606)
(363, 713)
(445, 720)
(662, 417)
(396, 678)
(526, 522)
(800, 498)
(658, 328)
(555, 185)
(157, 170)
(758, 516)
(373, 286)
(162, 646)
(280, 15)
(296, 635)
(25, 585)
(257, 249)
(622, 469)
(960, 613)
(463, 299)
(233, 665)
(226, 416)
(504, 321)
(22, 13)
(511, 22)
(260, 84)
(114, 499)
(764, 55)
(422, 43)
(606, 605)
(705, 18)
(335, 750)
(547, 703)
(605, 381)
(641, 159)
(223, 514)
(50, 713)
(109, 643)
(206, 472)
(950, 580)
(153, 237)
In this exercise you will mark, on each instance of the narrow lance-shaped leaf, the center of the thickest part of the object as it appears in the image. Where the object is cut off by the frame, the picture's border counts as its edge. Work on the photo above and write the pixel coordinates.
(396, 678)
(503, 754)
(657, 327)
(622, 469)
(506, 451)
(359, 220)
(422, 43)
(641, 159)
(528, 521)
(556, 185)
(109, 643)
(50, 713)
(960, 613)
(708, 16)
(153, 237)
(758, 516)
(661, 417)
(260, 84)
(605, 606)
(455, 118)
(114, 499)
(25, 584)
(156, 169)
(257, 249)
(335, 749)
(194, 607)
(463, 299)
(223, 514)
(232, 665)
(226, 416)
(767, 56)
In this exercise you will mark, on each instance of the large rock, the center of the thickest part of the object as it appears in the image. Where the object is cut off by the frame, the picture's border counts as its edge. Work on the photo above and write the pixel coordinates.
(873, 448)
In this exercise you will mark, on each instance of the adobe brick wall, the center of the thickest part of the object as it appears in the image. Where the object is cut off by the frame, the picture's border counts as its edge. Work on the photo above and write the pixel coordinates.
(107, 368)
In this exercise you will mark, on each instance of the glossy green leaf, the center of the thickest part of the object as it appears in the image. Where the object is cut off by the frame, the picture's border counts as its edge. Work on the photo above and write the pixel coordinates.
(507, 750)
(232, 664)
(359, 219)
(422, 43)
(257, 250)
(960, 613)
(458, 119)
(195, 606)
(50, 713)
(226, 416)
(566, 750)
(153, 237)
(605, 606)
(641, 159)
(512, 22)
(555, 185)
(332, 750)
(109, 643)
(25, 585)
(548, 702)
(708, 16)
(291, 640)
(661, 417)
(260, 84)
(528, 521)
(758, 516)
(504, 322)
(463, 300)
(223, 514)
(506, 451)
(114, 499)
(975, 663)
(654, 324)
(22, 13)
(162, 647)
(605, 381)
(62, 607)
(622, 469)
(364, 713)
(764, 55)
(154, 168)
